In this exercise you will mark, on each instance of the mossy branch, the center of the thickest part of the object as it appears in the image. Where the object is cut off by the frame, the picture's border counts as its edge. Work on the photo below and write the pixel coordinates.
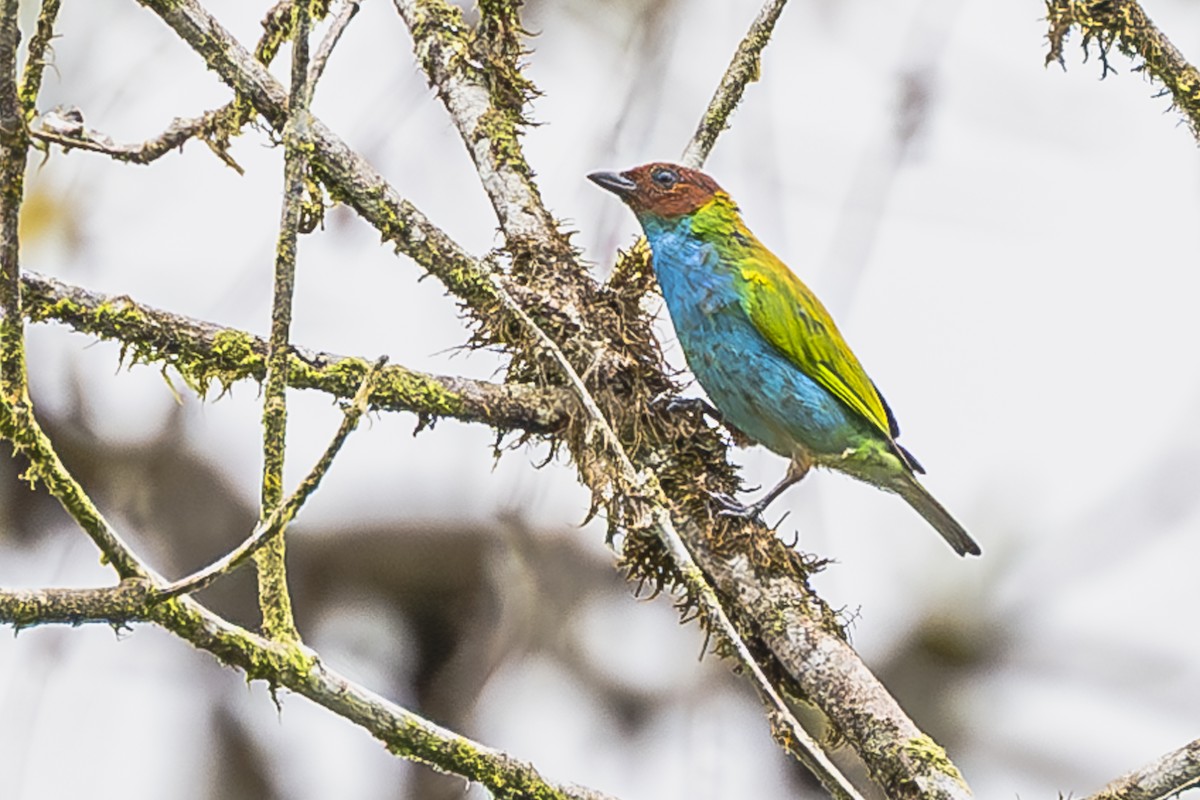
(1125, 24)
(744, 68)
(14, 145)
(35, 59)
(643, 489)
(274, 600)
(1169, 776)
(17, 421)
(283, 513)
(204, 354)
(298, 669)
(67, 129)
(478, 79)
(345, 173)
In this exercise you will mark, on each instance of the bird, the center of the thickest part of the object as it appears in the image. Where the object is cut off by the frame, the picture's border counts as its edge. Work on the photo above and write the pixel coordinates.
(764, 348)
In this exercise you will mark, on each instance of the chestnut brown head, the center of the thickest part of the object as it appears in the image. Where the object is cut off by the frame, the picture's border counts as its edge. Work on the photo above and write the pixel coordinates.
(659, 189)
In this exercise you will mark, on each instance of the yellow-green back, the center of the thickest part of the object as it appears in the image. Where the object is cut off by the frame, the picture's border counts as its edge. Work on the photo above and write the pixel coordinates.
(788, 315)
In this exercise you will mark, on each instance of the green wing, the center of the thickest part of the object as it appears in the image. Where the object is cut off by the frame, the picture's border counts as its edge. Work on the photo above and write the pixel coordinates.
(792, 319)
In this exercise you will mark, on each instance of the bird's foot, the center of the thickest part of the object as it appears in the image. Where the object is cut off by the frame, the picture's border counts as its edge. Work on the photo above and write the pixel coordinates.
(731, 507)
(697, 405)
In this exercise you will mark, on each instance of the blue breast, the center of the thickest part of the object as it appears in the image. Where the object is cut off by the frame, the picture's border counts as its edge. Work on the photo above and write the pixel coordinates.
(753, 385)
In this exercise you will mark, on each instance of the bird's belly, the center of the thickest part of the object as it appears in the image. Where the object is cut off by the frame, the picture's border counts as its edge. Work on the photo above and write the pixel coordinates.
(759, 391)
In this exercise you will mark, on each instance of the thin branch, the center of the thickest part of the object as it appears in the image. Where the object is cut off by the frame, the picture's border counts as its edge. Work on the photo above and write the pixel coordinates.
(284, 664)
(17, 421)
(1125, 24)
(297, 669)
(35, 61)
(745, 67)
(66, 128)
(204, 353)
(347, 174)
(1170, 775)
(273, 597)
(286, 511)
(14, 144)
(336, 28)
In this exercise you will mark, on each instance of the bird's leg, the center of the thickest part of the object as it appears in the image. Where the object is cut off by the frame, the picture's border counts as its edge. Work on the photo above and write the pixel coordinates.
(730, 507)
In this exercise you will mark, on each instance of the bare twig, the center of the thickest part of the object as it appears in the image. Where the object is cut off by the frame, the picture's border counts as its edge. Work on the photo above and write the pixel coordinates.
(901, 758)
(1125, 24)
(1170, 775)
(348, 176)
(66, 128)
(298, 669)
(336, 28)
(286, 511)
(744, 68)
(273, 597)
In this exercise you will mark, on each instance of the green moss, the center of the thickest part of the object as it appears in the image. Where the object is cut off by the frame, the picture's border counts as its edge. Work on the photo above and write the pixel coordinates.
(276, 663)
(931, 757)
(1126, 26)
(505, 781)
(502, 132)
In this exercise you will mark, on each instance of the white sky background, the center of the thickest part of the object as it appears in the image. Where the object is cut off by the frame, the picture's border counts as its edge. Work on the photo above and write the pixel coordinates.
(1026, 302)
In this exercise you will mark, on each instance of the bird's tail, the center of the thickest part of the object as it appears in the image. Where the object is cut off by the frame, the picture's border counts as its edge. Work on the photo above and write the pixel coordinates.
(936, 515)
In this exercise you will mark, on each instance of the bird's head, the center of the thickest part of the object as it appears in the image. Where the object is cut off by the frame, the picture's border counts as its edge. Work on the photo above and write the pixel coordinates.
(659, 189)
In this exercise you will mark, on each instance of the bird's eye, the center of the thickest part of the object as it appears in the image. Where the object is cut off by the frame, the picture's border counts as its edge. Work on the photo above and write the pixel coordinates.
(665, 178)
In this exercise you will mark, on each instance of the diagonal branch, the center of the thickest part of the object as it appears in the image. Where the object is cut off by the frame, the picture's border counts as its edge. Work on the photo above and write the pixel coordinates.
(320, 58)
(745, 67)
(485, 100)
(1174, 773)
(348, 176)
(1125, 24)
(298, 669)
(286, 511)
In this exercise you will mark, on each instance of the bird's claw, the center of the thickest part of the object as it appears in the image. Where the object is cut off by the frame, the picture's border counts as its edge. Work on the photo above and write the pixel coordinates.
(694, 404)
(730, 507)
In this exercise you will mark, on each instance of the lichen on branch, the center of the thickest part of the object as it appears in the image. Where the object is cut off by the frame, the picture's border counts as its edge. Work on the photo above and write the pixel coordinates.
(1123, 23)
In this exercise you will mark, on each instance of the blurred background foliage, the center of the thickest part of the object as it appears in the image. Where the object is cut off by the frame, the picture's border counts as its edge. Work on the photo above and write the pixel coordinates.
(1010, 249)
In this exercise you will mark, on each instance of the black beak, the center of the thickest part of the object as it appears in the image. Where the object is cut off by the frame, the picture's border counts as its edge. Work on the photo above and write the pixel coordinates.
(617, 184)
